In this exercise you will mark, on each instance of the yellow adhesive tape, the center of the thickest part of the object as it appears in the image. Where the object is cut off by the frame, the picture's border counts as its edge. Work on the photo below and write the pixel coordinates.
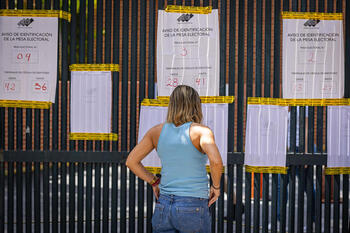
(298, 102)
(311, 15)
(25, 104)
(189, 9)
(36, 13)
(337, 170)
(94, 136)
(94, 67)
(267, 169)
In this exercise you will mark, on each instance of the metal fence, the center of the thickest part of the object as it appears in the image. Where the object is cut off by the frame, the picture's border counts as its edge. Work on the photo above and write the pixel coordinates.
(51, 184)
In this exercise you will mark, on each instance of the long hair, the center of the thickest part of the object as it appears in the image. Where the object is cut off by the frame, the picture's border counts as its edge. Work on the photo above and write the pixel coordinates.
(184, 106)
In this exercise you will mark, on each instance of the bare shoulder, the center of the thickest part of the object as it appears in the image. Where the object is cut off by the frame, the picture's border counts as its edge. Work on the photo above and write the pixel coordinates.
(201, 129)
(155, 130)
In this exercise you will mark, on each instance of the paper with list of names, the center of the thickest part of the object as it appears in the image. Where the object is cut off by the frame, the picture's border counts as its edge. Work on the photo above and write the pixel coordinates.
(91, 102)
(266, 135)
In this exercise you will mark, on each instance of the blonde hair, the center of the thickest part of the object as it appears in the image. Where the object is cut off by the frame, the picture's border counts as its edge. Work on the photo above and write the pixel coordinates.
(184, 106)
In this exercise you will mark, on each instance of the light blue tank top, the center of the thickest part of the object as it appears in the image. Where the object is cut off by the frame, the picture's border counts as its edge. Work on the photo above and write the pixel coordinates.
(183, 166)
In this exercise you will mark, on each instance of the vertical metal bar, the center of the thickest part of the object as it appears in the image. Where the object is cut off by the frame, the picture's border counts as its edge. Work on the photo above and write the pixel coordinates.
(149, 208)
(56, 104)
(80, 197)
(97, 195)
(250, 47)
(330, 6)
(82, 33)
(205, 2)
(303, 6)
(38, 4)
(123, 198)
(99, 46)
(336, 198)
(231, 108)
(301, 185)
(230, 193)
(63, 198)
(107, 43)
(196, 3)
(276, 50)
(10, 197)
(54, 191)
(71, 197)
(240, 77)
(105, 209)
(64, 78)
(265, 204)
(291, 221)
(133, 96)
(2, 197)
(345, 217)
(258, 50)
(267, 68)
(19, 197)
(88, 204)
(37, 199)
(47, 4)
(283, 203)
(318, 201)
(28, 205)
(11, 4)
(215, 4)
(327, 210)
(256, 224)
(310, 198)
(223, 48)
(46, 194)
(221, 206)
(321, 6)
(90, 45)
(239, 189)
(339, 6)
(151, 49)
(73, 43)
(312, 5)
(142, 86)
(295, 5)
(115, 75)
(114, 204)
(248, 193)
(274, 205)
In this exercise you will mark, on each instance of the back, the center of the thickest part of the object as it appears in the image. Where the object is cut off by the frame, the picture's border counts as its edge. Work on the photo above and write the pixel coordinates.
(183, 166)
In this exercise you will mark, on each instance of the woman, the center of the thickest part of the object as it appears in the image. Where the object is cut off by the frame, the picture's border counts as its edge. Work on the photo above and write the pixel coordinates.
(183, 146)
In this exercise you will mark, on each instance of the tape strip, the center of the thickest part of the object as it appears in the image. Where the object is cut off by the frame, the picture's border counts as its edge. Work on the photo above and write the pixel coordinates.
(36, 13)
(207, 99)
(267, 169)
(337, 170)
(25, 104)
(311, 15)
(298, 102)
(94, 136)
(188, 9)
(94, 67)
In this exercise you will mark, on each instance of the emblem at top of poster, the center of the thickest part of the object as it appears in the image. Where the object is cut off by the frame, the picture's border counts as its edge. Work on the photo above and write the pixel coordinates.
(188, 52)
(313, 55)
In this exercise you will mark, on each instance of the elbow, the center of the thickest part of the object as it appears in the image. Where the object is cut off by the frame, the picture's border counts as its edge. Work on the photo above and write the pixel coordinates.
(128, 163)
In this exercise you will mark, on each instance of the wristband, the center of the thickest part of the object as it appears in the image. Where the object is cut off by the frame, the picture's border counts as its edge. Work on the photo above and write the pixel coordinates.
(217, 188)
(156, 182)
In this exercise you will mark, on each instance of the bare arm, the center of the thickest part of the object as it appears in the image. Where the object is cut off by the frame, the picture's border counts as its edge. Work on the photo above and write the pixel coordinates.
(139, 152)
(208, 145)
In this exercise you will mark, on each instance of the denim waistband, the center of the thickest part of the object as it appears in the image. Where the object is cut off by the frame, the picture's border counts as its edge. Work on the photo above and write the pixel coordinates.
(173, 198)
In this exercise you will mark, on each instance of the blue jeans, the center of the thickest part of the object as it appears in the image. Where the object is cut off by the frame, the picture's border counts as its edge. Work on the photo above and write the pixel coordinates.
(181, 214)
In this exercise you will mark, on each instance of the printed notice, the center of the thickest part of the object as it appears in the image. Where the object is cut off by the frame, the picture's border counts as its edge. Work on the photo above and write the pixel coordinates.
(313, 58)
(28, 58)
(188, 52)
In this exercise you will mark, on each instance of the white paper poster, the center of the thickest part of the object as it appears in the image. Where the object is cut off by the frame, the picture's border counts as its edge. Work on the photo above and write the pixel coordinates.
(338, 136)
(266, 135)
(91, 102)
(215, 116)
(188, 52)
(28, 58)
(313, 56)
